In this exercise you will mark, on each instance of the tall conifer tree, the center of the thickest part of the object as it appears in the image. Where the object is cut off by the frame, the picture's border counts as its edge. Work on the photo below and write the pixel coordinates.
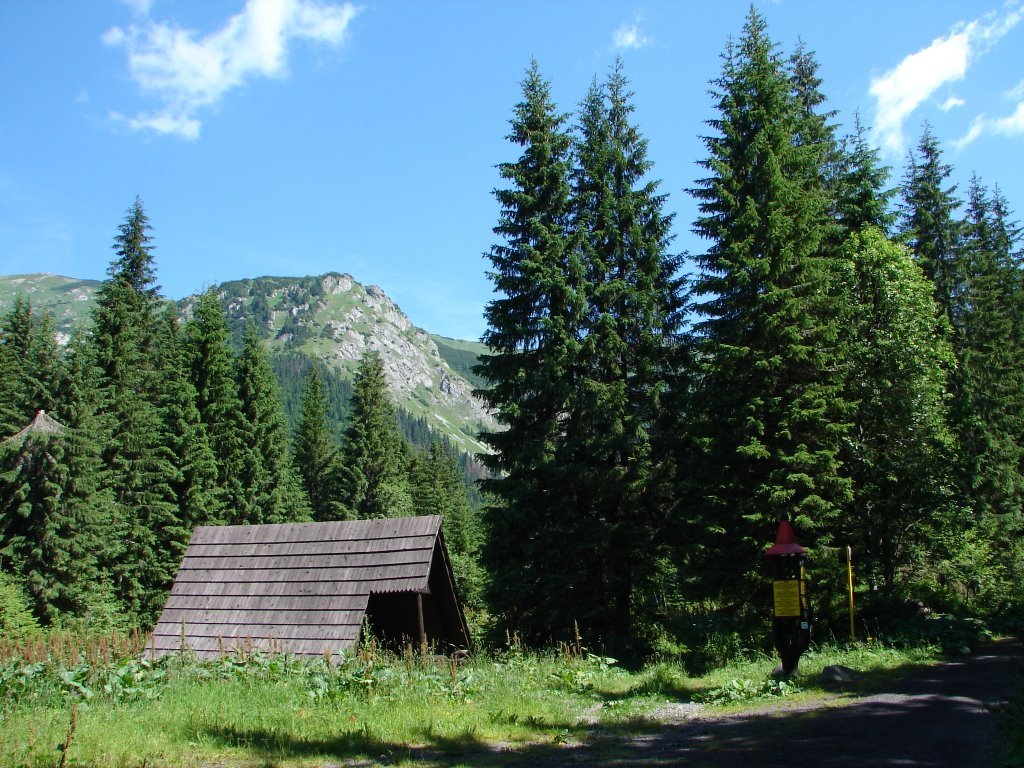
(185, 441)
(535, 334)
(862, 196)
(769, 390)
(212, 371)
(991, 376)
(374, 474)
(45, 535)
(633, 320)
(269, 478)
(439, 488)
(28, 364)
(929, 224)
(316, 457)
(141, 473)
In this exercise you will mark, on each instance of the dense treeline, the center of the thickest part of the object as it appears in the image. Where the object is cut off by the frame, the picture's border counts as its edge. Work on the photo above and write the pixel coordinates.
(115, 448)
(846, 355)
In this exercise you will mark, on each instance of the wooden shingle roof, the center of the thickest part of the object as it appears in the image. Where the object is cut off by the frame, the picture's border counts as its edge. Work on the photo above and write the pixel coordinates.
(300, 587)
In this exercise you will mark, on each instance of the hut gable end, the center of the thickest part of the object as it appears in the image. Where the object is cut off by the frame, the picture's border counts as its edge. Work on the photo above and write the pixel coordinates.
(305, 587)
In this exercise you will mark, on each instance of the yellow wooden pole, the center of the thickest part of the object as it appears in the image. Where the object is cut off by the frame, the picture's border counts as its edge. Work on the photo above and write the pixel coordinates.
(849, 578)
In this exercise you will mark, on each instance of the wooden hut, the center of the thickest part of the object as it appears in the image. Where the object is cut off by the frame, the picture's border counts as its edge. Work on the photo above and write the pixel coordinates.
(306, 588)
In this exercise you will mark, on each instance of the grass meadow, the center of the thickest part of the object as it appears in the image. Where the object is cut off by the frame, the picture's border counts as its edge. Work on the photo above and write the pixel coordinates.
(67, 701)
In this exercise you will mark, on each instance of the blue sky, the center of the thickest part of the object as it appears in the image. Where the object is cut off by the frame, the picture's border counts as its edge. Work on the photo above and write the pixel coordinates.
(294, 137)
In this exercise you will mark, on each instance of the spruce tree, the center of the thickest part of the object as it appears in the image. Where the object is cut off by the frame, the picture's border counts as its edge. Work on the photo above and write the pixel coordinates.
(101, 529)
(990, 396)
(212, 372)
(769, 389)
(316, 457)
(862, 197)
(374, 476)
(928, 222)
(633, 320)
(184, 439)
(268, 477)
(44, 530)
(438, 487)
(535, 334)
(141, 473)
(28, 364)
(134, 264)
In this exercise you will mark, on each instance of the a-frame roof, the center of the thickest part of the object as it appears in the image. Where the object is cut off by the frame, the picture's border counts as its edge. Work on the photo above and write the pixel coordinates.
(301, 587)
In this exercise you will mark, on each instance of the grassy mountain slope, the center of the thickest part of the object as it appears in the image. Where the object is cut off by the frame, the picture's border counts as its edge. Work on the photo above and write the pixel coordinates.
(330, 318)
(334, 319)
(68, 298)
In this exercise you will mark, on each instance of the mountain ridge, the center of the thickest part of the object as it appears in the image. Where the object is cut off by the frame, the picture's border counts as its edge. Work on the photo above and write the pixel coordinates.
(331, 318)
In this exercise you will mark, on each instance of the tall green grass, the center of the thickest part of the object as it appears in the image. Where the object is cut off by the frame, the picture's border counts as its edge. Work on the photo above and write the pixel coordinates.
(259, 710)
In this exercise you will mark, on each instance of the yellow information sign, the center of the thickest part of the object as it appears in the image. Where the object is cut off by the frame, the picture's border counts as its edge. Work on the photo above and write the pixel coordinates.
(787, 598)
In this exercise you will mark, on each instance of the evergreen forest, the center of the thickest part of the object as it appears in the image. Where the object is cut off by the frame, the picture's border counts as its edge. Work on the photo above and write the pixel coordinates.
(844, 352)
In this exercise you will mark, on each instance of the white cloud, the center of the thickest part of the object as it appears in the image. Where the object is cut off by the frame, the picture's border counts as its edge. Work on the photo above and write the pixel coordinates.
(168, 121)
(630, 36)
(1016, 93)
(1011, 125)
(141, 7)
(977, 126)
(902, 89)
(187, 72)
(952, 103)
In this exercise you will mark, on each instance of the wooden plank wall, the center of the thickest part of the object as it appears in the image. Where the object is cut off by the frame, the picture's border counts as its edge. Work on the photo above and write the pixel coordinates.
(300, 587)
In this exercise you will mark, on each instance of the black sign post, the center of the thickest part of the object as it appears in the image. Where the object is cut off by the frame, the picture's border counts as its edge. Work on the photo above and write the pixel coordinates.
(791, 610)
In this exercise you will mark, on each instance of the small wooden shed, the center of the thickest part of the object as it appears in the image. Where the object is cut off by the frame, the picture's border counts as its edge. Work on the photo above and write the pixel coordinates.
(306, 588)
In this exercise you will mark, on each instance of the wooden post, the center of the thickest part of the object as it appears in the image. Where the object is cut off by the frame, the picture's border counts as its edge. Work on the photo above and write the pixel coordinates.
(422, 628)
(849, 579)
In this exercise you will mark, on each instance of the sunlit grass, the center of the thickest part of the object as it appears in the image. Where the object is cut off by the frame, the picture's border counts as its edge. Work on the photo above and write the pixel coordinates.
(270, 711)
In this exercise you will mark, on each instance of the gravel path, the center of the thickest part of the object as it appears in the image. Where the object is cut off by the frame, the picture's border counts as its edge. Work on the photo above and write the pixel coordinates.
(941, 716)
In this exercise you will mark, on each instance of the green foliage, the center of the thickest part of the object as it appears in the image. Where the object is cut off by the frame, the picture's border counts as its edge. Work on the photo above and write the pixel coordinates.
(768, 409)
(269, 478)
(16, 617)
(212, 372)
(141, 474)
(438, 487)
(374, 477)
(740, 690)
(897, 451)
(49, 683)
(316, 457)
(579, 338)
(928, 221)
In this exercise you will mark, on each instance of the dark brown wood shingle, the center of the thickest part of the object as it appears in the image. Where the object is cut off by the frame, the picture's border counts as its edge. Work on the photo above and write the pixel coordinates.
(304, 587)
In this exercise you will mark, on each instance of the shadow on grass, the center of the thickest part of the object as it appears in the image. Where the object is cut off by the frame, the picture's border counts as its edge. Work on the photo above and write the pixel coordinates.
(928, 717)
(663, 682)
(271, 748)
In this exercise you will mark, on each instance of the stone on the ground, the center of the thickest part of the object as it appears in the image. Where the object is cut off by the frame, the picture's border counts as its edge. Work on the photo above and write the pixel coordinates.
(837, 673)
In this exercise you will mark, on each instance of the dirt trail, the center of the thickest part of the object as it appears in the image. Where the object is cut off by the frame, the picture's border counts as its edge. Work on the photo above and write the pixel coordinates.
(938, 717)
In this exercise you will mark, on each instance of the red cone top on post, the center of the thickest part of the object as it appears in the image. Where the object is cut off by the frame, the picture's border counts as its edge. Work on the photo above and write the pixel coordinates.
(785, 541)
